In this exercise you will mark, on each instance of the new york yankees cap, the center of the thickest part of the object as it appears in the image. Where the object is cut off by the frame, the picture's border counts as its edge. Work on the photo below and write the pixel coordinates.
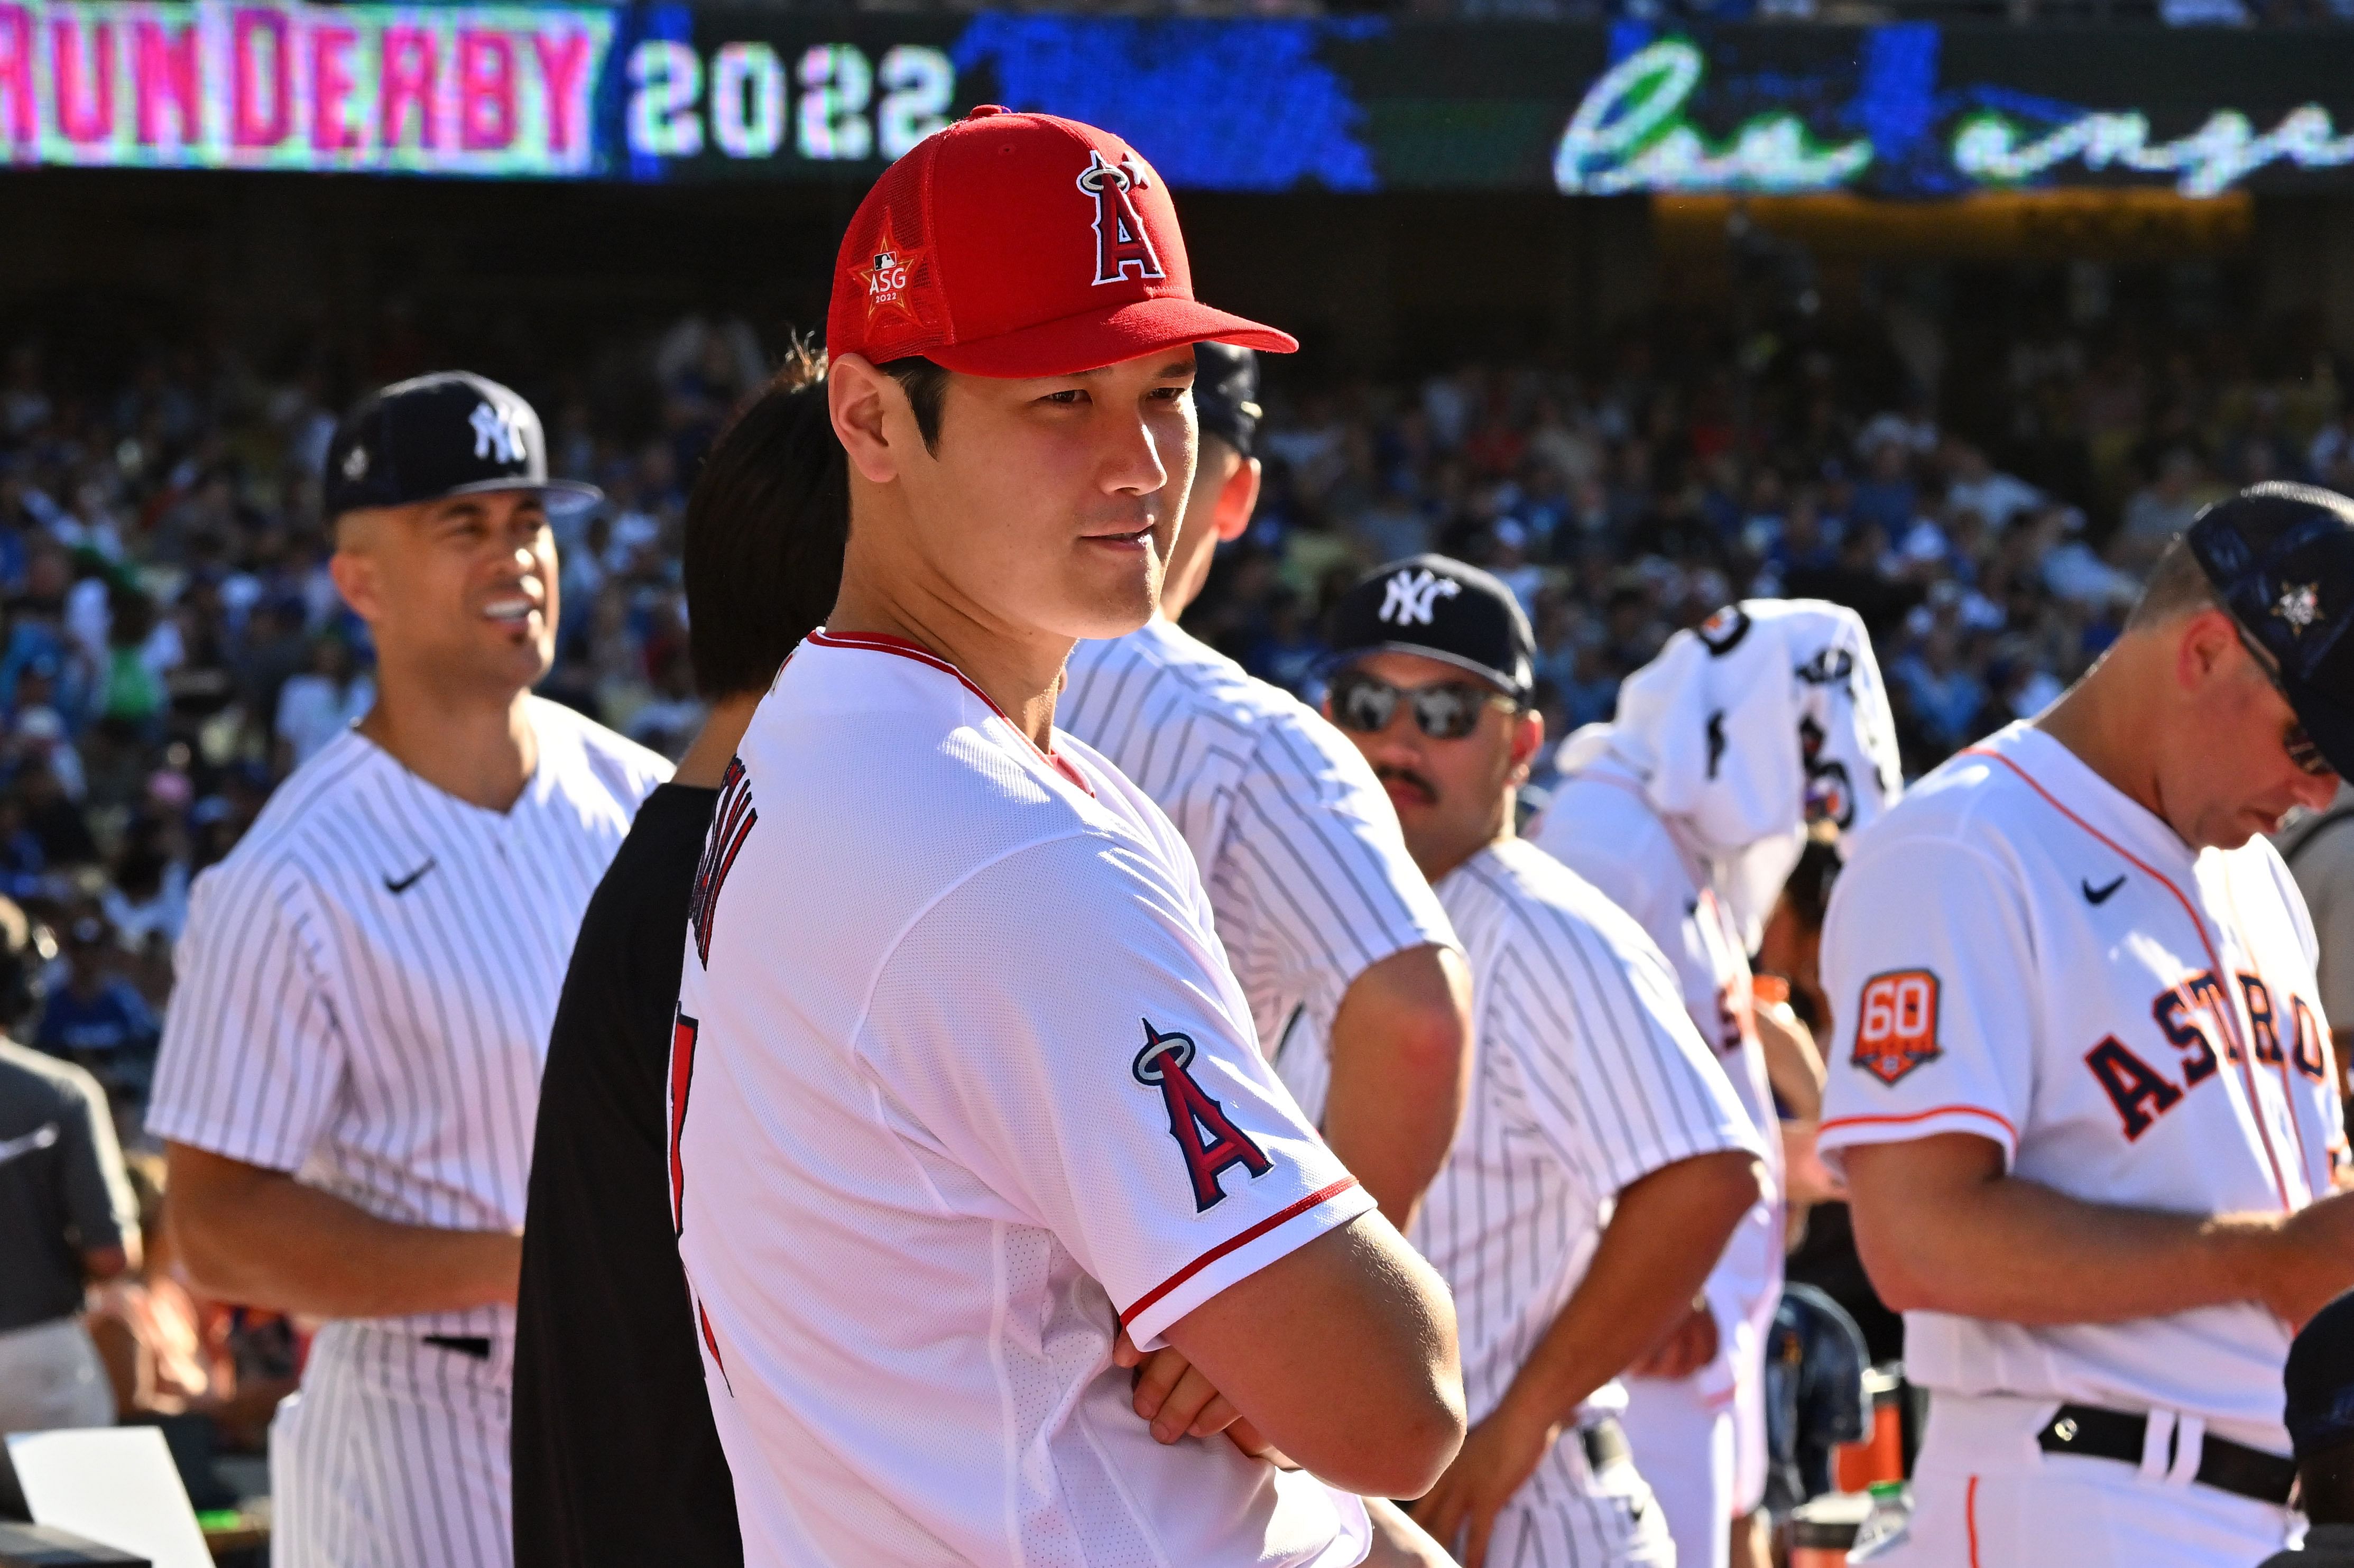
(1441, 609)
(1225, 394)
(1015, 245)
(2281, 557)
(450, 433)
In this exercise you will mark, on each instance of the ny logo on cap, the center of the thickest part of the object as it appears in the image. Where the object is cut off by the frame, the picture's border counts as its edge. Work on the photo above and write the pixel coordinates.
(498, 432)
(1411, 596)
(1121, 240)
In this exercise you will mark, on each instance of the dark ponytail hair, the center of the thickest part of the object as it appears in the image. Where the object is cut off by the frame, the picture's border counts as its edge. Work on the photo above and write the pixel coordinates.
(766, 524)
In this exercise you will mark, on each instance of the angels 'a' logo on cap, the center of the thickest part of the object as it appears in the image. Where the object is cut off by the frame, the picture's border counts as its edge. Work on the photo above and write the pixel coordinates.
(1409, 598)
(1122, 243)
(885, 279)
(498, 432)
(2299, 605)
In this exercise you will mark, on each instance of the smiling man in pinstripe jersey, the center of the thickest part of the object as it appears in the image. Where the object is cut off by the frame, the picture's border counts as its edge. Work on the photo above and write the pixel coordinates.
(351, 1065)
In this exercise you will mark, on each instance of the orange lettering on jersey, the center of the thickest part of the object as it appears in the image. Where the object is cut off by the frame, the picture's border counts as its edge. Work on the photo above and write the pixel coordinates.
(2140, 1093)
(1205, 1134)
(2172, 1011)
(2306, 1048)
(1896, 1028)
(2262, 1024)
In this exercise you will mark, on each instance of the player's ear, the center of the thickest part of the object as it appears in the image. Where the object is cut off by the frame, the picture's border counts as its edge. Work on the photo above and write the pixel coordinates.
(2204, 643)
(861, 400)
(1237, 499)
(354, 569)
(1528, 739)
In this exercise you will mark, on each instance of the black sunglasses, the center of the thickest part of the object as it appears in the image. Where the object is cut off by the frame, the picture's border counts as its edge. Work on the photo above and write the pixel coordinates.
(2296, 742)
(1446, 710)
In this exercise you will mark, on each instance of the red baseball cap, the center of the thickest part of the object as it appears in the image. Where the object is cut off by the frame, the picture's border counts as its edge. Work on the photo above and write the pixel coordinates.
(1015, 245)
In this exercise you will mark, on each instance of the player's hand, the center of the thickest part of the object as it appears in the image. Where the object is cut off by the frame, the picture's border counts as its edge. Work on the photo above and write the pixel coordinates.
(1810, 1180)
(1689, 1346)
(1498, 1456)
(2312, 1260)
(1172, 1395)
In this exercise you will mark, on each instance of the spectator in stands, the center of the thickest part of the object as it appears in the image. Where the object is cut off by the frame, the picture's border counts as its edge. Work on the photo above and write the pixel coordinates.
(97, 1019)
(321, 703)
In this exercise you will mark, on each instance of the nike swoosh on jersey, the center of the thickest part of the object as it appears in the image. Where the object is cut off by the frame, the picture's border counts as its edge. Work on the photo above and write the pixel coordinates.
(41, 1138)
(406, 883)
(2100, 895)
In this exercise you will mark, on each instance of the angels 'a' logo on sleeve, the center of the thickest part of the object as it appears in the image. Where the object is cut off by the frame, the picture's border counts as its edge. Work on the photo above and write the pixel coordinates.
(1896, 1024)
(1205, 1134)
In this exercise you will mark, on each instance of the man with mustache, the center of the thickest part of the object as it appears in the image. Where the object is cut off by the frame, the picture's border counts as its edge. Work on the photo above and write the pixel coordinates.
(2083, 1090)
(351, 1064)
(1603, 1159)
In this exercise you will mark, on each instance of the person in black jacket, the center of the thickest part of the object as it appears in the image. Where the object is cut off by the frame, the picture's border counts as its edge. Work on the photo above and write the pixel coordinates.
(616, 1459)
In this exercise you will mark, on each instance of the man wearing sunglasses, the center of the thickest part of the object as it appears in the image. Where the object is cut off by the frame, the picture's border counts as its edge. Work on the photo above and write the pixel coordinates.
(1603, 1159)
(2081, 1081)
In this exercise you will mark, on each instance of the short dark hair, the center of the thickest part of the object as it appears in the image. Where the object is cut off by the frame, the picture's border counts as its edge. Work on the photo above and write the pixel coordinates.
(2177, 586)
(766, 524)
(926, 386)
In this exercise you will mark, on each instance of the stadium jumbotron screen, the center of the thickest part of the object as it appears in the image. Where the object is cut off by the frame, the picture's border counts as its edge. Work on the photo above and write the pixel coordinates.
(668, 92)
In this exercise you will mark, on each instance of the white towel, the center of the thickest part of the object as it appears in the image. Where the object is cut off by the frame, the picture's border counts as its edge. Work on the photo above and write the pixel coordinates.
(1767, 718)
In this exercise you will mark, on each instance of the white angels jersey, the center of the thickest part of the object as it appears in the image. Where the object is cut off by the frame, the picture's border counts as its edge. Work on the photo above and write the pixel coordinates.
(961, 1083)
(2021, 952)
(366, 982)
(1307, 870)
(1590, 1076)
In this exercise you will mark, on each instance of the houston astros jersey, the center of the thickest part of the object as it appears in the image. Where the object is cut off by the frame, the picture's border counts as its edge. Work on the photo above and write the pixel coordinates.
(1590, 1076)
(366, 983)
(2021, 952)
(1308, 871)
(961, 1083)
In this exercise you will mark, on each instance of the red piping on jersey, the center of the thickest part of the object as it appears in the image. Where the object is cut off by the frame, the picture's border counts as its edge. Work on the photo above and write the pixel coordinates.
(884, 642)
(1971, 1519)
(1995, 1116)
(1231, 1243)
(2223, 977)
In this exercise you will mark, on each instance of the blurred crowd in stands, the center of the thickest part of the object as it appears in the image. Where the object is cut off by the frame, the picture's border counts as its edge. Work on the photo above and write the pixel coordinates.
(171, 643)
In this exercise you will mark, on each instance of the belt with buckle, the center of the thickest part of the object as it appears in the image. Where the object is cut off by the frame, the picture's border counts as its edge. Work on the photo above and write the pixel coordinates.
(2226, 1466)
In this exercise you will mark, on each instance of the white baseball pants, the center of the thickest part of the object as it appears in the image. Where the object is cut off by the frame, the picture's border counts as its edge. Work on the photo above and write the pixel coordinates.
(394, 1455)
(1984, 1496)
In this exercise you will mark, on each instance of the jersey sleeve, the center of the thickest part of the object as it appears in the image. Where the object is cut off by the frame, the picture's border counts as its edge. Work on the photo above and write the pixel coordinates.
(1059, 1025)
(1934, 1032)
(1314, 860)
(252, 1060)
(1618, 1081)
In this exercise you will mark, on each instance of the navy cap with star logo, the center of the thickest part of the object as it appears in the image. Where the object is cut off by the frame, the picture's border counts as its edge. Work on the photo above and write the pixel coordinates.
(2281, 557)
(1441, 609)
(451, 433)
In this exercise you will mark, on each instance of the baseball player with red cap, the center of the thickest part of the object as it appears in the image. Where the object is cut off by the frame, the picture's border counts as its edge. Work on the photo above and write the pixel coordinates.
(961, 1084)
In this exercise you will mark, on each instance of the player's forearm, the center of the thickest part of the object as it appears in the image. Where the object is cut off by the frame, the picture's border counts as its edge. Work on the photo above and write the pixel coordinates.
(1666, 1235)
(1401, 1070)
(1793, 1065)
(260, 1238)
(2011, 1250)
(1342, 1355)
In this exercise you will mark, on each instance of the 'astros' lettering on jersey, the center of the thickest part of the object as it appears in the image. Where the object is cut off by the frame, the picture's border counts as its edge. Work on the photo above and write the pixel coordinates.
(368, 981)
(2021, 952)
(961, 1085)
(1308, 874)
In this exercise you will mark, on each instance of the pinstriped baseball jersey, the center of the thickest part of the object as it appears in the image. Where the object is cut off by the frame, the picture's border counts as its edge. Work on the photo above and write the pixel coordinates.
(366, 983)
(2021, 952)
(1308, 874)
(1590, 1076)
